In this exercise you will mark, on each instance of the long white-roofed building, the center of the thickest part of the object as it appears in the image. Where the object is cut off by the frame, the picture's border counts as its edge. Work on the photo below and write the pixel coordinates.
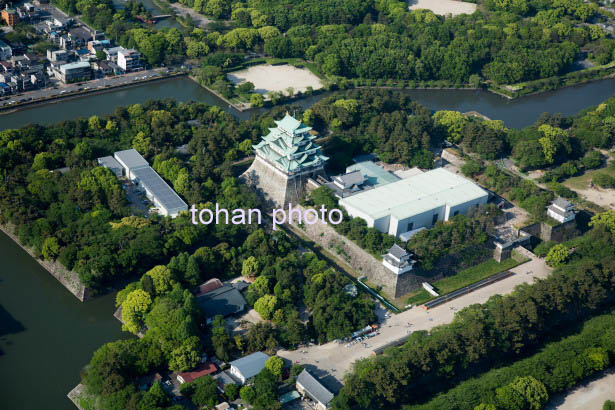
(419, 201)
(130, 160)
(137, 169)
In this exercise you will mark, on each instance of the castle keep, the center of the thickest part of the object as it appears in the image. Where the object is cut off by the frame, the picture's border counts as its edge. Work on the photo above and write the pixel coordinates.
(285, 159)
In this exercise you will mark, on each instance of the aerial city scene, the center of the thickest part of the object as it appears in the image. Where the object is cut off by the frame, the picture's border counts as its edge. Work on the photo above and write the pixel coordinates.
(307, 204)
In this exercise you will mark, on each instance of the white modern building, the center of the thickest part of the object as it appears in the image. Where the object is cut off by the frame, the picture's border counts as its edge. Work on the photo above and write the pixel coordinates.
(419, 201)
(561, 210)
(112, 53)
(249, 366)
(128, 60)
(136, 168)
(130, 160)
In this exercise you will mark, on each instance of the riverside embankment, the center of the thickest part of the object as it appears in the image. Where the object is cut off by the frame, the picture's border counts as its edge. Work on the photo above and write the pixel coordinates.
(69, 279)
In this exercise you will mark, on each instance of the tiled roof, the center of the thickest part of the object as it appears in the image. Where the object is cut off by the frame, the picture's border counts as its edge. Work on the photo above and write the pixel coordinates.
(209, 286)
(202, 370)
(397, 251)
(562, 203)
(290, 146)
(224, 301)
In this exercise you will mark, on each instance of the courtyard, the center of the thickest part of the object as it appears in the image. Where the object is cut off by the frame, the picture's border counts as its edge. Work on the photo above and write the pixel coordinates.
(279, 78)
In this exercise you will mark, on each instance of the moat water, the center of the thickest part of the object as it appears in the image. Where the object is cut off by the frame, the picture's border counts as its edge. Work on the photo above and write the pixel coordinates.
(516, 113)
(47, 335)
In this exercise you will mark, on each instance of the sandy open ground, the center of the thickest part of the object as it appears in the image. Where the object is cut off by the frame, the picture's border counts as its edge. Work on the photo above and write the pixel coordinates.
(591, 395)
(444, 7)
(581, 184)
(603, 197)
(276, 78)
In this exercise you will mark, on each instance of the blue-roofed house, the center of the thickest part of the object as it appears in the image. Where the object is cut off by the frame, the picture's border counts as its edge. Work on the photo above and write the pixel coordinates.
(249, 366)
(5, 89)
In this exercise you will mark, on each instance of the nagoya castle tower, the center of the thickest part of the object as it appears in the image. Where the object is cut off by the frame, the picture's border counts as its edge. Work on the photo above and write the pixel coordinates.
(285, 159)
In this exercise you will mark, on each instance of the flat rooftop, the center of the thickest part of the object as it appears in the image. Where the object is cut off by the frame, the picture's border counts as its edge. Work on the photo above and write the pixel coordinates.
(373, 173)
(73, 66)
(167, 197)
(131, 158)
(415, 195)
(109, 162)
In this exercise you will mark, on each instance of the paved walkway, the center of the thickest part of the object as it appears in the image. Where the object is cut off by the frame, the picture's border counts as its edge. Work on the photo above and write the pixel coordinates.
(336, 359)
(199, 19)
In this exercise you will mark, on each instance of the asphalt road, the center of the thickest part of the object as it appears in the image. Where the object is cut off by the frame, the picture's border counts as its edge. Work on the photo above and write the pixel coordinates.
(61, 90)
(336, 359)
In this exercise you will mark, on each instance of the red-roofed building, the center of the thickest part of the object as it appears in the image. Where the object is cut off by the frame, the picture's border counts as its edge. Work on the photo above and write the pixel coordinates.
(203, 370)
(210, 285)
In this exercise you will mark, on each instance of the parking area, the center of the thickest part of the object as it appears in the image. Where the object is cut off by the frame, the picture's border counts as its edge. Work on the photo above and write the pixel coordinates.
(136, 197)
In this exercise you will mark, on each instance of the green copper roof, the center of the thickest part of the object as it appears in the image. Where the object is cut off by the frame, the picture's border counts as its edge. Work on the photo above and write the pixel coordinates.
(292, 125)
(290, 146)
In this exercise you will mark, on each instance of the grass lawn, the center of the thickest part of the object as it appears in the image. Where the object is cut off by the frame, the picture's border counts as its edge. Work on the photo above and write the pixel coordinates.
(464, 278)
(582, 181)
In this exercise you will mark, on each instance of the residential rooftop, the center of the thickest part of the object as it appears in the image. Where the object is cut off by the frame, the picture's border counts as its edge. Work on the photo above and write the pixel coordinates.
(249, 366)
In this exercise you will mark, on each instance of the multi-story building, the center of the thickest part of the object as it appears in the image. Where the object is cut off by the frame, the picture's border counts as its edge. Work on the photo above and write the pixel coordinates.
(398, 260)
(73, 72)
(5, 51)
(129, 60)
(10, 16)
(112, 53)
(57, 55)
(285, 159)
(561, 210)
(79, 37)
